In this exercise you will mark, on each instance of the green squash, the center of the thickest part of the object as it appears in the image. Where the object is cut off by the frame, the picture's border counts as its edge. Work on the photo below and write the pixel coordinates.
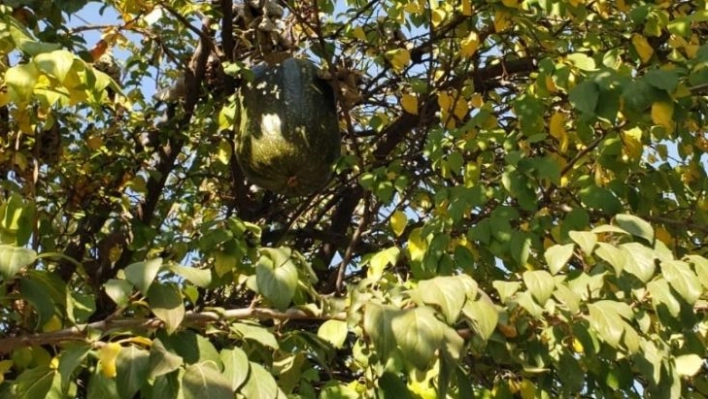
(288, 130)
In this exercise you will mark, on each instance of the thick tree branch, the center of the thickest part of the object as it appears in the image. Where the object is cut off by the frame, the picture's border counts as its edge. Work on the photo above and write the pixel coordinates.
(82, 331)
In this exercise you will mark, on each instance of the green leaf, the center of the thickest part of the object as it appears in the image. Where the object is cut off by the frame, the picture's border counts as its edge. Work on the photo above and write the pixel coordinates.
(69, 360)
(167, 304)
(557, 256)
(277, 280)
(662, 79)
(520, 247)
(586, 240)
(447, 292)
(567, 297)
(100, 386)
(199, 277)
(701, 265)
(616, 257)
(204, 380)
(132, 368)
(35, 292)
(688, 365)
(419, 334)
(20, 81)
(540, 283)
(56, 64)
(600, 198)
(582, 61)
(166, 386)
(391, 386)
(483, 315)
(640, 261)
(162, 361)
(338, 390)
(119, 291)
(255, 333)
(661, 295)
(584, 97)
(142, 274)
(34, 383)
(334, 332)
(260, 384)
(13, 259)
(635, 226)
(682, 279)
(236, 366)
(377, 325)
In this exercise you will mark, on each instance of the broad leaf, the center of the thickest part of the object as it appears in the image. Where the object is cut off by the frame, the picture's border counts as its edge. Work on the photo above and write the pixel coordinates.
(586, 240)
(132, 364)
(236, 366)
(260, 384)
(635, 226)
(204, 380)
(558, 256)
(448, 293)
(419, 334)
(161, 360)
(167, 304)
(277, 280)
(13, 259)
(682, 279)
(484, 317)
(540, 283)
(334, 332)
(142, 274)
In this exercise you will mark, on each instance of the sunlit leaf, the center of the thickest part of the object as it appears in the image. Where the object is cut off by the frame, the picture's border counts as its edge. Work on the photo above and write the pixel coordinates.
(540, 283)
(334, 332)
(558, 256)
(132, 370)
(419, 334)
(142, 274)
(682, 279)
(13, 259)
(236, 366)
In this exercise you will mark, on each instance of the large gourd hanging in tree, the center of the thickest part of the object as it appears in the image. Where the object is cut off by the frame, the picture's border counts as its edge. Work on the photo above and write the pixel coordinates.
(288, 131)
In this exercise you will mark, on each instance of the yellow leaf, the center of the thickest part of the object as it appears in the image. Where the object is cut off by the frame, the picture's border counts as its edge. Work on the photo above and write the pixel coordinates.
(400, 58)
(107, 356)
(643, 47)
(410, 104)
(557, 130)
(663, 235)
(550, 84)
(528, 389)
(578, 346)
(359, 33)
(438, 16)
(511, 3)
(501, 21)
(444, 100)
(52, 324)
(461, 108)
(468, 45)
(417, 245)
(381, 260)
(476, 100)
(224, 152)
(662, 113)
(632, 140)
(399, 220)
(467, 8)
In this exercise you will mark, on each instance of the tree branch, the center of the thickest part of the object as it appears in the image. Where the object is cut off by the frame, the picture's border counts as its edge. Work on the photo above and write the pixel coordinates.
(81, 332)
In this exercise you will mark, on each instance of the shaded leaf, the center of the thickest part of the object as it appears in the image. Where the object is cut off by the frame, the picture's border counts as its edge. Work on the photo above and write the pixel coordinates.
(277, 281)
(142, 274)
(378, 321)
(204, 381)
(132, 364)
(162, 361)
(34, 383)
(167, 304)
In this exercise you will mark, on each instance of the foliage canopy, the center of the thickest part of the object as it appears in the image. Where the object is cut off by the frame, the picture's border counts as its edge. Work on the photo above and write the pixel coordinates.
(519, 210)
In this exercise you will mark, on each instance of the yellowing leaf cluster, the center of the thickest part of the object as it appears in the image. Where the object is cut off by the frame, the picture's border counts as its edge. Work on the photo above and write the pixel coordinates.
(557, 130)
(399, 58)
(642, 46)
(453, 107)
